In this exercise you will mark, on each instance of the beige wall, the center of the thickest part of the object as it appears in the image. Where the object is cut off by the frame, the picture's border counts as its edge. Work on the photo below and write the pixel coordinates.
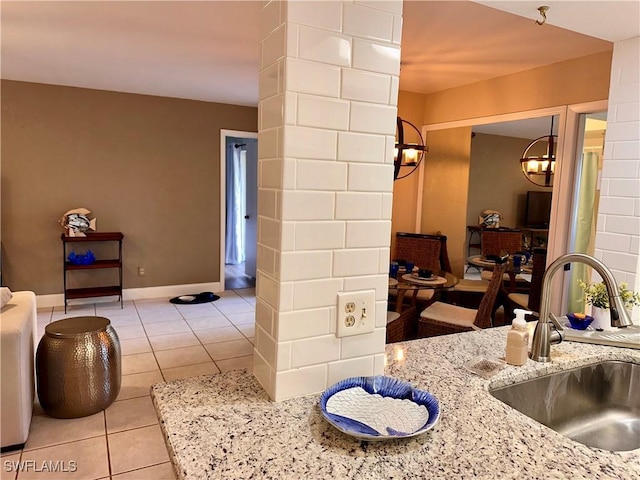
(583, 79)
(497, 182)
(446, 185)
(144, 165)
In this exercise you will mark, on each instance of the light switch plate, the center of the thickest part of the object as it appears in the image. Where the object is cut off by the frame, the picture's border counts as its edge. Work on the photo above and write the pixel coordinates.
(356, 313)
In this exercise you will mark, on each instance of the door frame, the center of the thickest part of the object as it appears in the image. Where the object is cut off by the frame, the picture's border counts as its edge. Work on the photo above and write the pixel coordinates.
(562, 202)
(224, 133)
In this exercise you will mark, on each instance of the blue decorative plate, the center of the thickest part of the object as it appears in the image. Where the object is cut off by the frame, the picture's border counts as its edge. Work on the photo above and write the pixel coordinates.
(379, 408)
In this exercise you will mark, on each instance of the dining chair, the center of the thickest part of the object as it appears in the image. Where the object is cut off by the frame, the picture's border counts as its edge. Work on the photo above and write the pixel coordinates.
(531, 300)
(442, 318)
(426, 251)
(497, 241)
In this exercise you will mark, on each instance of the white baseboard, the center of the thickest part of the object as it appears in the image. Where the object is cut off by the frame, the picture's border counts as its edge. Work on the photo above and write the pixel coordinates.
(166, 291)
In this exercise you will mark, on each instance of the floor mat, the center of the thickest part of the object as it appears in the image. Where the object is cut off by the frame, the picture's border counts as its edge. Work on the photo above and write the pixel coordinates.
(203, 297)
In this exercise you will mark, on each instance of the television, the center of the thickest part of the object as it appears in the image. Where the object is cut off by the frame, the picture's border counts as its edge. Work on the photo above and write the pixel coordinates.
(538, 209)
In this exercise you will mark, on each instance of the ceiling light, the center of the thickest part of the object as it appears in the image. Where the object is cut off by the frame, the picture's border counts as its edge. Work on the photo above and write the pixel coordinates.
(540, 168)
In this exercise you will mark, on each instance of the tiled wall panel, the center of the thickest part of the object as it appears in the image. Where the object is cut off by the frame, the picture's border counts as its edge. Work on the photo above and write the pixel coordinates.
(300, 324)
(370, 178)
(303, 142)
(362, 21)
(307, 265)
(319, 235)
(360, 147)
(317, 175)
(618, 227)
(315, 350)
(305, 205)
(359, 206)
(328, 94)
(324, 46)
(314, 78)
(354, 262)
(314, 294)
(326, 15)
(365, 86)
(322, 112)
(376, 57)
(355, 367)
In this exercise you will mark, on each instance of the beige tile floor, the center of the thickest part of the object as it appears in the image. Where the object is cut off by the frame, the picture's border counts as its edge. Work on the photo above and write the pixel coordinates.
(160, 342)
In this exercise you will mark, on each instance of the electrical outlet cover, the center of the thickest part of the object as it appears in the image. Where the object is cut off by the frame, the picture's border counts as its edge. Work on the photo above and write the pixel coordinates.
(365, 313)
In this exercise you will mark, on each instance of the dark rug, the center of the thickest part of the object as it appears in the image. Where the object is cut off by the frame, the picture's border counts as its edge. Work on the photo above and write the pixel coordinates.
(203, 297)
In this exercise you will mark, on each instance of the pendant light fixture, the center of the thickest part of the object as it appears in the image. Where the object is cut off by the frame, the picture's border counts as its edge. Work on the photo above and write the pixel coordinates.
(539, 169)
(408, 156)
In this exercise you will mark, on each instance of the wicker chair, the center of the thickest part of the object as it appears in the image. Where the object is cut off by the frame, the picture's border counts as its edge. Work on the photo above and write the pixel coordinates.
(401, 326)
(425, 251)
(531, 300)
(497, 241)
(443, 318)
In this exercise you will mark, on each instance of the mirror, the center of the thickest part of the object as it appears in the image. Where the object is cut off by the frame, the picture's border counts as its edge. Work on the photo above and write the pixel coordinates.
(470, 169)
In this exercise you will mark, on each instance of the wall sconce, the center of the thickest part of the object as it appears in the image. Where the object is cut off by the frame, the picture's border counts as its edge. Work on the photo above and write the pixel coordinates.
(407, 155)
(539, 169)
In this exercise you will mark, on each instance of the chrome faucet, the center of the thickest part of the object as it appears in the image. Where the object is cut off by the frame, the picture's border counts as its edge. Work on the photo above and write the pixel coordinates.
(544, 336)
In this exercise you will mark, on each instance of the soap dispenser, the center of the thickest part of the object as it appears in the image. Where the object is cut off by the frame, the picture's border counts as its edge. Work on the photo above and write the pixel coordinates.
(518, 339)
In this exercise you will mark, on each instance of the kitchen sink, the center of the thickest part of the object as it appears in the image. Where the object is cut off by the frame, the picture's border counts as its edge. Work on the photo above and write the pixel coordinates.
(597, 405)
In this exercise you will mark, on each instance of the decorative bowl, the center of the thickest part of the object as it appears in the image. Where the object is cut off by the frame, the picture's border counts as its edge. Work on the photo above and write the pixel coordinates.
(425, 273)
(379, 408)
(578, 323)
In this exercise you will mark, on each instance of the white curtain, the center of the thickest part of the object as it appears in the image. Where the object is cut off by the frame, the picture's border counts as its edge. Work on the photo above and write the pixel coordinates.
(236, 205)
(585, 226)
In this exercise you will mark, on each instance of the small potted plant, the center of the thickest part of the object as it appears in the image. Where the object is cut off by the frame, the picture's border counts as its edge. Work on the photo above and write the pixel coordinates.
(596, 295)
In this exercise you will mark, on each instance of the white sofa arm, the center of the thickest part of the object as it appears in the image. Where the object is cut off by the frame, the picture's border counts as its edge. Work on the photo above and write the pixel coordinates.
(18, 327)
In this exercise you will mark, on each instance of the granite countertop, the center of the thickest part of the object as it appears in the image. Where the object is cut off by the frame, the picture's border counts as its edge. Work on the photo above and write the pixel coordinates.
(224, 426)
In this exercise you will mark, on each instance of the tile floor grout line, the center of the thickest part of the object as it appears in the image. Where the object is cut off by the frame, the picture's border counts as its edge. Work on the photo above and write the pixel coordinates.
(153, 353)
(106, 439)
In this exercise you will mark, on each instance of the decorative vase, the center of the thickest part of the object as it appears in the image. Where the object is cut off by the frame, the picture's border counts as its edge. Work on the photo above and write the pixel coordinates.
(601, 319)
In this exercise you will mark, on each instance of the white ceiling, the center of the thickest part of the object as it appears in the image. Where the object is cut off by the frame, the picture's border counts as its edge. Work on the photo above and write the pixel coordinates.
(449, 44)
(612, 20)
(196, 50)
(208, 50)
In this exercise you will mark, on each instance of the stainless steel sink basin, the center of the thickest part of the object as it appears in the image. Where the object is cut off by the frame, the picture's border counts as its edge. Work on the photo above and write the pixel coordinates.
(597, 405)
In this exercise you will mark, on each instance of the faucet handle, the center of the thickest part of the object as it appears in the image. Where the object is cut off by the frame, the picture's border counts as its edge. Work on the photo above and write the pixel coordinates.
(559, 334)
(556, 322)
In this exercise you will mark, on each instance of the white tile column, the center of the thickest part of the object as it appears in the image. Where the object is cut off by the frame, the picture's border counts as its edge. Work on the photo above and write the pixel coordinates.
(328, 102)
(618, 229)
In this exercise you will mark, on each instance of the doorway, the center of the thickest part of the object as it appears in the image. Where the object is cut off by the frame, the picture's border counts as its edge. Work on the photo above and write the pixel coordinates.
(239, 191)
(589, 156)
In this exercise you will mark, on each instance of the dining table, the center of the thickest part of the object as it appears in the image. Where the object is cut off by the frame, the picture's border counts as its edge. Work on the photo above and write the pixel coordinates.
(410, 284)
(512, 270)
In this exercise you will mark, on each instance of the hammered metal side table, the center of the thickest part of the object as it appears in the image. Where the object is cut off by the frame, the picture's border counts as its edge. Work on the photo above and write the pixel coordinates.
(78, 367)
